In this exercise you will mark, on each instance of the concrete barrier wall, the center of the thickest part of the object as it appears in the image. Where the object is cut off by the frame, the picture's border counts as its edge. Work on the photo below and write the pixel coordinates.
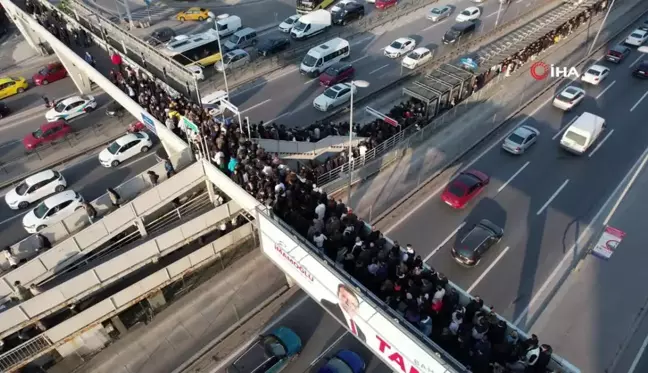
(92, 280)
(229, 187)
(96, 234)
(134, 293)
(288, 148)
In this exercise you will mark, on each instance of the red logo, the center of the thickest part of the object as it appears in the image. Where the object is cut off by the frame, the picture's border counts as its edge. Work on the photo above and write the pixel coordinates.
(540, 70)
(280, 247)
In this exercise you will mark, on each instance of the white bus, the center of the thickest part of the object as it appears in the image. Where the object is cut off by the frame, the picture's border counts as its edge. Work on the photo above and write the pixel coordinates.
(324, 55)
(200, 49)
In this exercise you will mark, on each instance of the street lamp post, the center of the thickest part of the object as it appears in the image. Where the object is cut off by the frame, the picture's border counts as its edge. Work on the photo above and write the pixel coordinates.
(359, 84)
(498, 13)
(600, 28)
(222, 62)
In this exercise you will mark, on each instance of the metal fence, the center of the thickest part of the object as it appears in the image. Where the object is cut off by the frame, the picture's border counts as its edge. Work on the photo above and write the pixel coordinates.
(24, 351)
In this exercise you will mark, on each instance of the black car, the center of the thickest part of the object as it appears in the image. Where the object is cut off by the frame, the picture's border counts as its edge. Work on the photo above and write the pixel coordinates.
(161, 35)
(617, 53)
(114, 109)
(459, 31)
(641, 71)
(272, 46)
(347, 13)
(469, 250)
(4, 110)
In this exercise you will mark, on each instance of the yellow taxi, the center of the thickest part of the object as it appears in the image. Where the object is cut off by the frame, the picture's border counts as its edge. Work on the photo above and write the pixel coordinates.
(12, 86)
(193, 14)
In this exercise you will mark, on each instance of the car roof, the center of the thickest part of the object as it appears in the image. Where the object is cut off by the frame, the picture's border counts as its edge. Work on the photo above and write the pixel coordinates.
(571, 91)
(466, 179)
(402, 40)
(598, 68)
(6, 79)
(640, 31)
(338, 87)
(126, 139)
(70, 100)
(237, 51)
(420, 50)
(60, 197)
(473, 239)
(37, 178)
(524, 131)
(619, 48)
(471, 8)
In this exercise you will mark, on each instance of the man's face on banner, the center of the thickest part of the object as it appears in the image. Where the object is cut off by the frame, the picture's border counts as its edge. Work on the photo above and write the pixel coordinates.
(348, 301)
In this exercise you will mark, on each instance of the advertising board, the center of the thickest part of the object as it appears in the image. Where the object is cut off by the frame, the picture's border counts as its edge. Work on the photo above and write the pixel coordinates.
(378, 332)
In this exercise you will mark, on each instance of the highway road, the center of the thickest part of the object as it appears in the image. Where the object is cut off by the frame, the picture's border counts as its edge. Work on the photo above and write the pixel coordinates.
(543, 199)
(287, 99)
(85, 176)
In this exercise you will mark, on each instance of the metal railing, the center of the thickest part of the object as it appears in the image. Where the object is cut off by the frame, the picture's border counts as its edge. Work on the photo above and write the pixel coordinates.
(24, 351)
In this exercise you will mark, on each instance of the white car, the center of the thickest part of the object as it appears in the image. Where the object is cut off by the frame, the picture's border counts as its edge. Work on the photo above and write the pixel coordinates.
(595, 74)
(469, 14)
(288, 23)
(568, 98)
(334, 96)
(637, 38)
(34, 188)
(417, 57)
(71, 107)
(52, 210)
(124, 148)
(437, 14)
(400, 47)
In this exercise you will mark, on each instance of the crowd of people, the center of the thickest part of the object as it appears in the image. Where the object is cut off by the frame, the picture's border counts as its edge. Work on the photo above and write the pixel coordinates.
(57, 26)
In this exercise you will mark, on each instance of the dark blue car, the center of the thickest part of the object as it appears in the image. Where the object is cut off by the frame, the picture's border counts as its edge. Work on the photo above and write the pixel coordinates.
(344, 361)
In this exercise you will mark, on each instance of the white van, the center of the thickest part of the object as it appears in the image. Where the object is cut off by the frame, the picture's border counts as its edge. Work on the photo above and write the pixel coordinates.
(324, 55)
(226, 25)
(582, 133)
(311, 24)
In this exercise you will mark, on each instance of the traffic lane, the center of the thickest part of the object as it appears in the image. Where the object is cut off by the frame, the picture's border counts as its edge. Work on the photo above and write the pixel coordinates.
(348, 342)
(33, 96)
(592, 180)
(281, 89)
(86, 177)
(276, 100)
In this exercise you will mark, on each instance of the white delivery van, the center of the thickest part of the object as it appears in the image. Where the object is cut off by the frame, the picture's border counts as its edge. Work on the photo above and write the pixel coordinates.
(226, 25)
(319, 58)
(581, 134)
(311, 24)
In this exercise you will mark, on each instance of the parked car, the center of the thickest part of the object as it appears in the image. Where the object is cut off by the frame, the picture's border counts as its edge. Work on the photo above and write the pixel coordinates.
(71, 107)
(47, 133)
(12, 86)
(617, 53)
(464, 188)
(34, 188)
(482, 236)
(124, 148)
(160, 36)
(273, 46)
(52, 210)
(337, 73)
(270, 353)
(344, 361)
(50, 73)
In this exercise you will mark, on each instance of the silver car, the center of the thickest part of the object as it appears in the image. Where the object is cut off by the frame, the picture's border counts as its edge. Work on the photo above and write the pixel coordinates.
(439, 13)
(521, 139)
(232, 60)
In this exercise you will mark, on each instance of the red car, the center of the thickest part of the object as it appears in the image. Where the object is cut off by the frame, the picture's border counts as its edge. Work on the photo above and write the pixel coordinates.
(50, 73)
(384, 4)
(337, 73)
(47, 133)
(464, 188)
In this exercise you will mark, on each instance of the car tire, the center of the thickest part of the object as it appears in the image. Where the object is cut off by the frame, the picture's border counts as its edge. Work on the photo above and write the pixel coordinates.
(78, 208)
(200, 19)
(45, 82)
(182, 19)
(114, 163)
(344, 22)
(41, 227)
(144, 149)
(21, 90)
(59, 188)
(88, 109)
(23, 205)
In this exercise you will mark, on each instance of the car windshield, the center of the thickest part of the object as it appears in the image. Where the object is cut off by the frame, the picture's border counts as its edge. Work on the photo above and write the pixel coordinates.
(43, 71)
(452, 33)
(21, 189)
(338, 366)
(228, 58)
(113, 148)
(331, 93)
(515, 138)
(457, 189)
(336, 9)
(637, 35)
(299, 26)
(233, 39)
(38, 134)
(60, 107)
(414, 55)
(616, 53)
(273, 347)
(465, 13)
(221, 26)
(40, 210)
(309, 60)
(593, 72)
(396, 44)
(290, 21)
(578, 139)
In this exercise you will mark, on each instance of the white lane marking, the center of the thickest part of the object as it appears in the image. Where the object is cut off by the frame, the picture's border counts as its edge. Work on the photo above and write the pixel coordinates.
(310, 81)
(564, 128)
(433, 26)
(454, 232)
(641, 55)
(18, 121)
(600, 144)
(513, 177)
(256, 106)
(365, 39)
(359, 59)
(13, 217)
(481, 277)
(329, 348)
(635, 362)
(638, 102)
(492, 14)
(281, 116)
(553, 196)
(605, 90)
(637, 167)
(125, 165)
(480, 156)
(378, 69)
(9, 143)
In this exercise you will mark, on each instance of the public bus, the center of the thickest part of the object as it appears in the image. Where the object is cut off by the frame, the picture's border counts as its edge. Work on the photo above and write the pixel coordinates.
(306, 6)
(197, 50)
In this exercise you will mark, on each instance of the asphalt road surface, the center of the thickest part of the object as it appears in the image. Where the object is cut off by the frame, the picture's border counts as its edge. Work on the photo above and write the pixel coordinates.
(543, 199)
(288, 99)
(87, 177)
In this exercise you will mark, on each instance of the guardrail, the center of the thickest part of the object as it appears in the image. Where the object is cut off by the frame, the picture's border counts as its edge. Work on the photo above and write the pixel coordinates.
(306, 149)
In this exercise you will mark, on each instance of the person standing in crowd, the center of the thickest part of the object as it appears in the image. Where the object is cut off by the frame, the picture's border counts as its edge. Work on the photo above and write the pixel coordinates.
(89, 59)
(44, 243)
(168, 167)
(115, 199)
(90, 211)
(21, 293)
(10, 257)
(153, 177)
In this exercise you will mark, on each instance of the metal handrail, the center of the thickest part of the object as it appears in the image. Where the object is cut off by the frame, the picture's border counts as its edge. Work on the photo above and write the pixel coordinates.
(24, 351)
